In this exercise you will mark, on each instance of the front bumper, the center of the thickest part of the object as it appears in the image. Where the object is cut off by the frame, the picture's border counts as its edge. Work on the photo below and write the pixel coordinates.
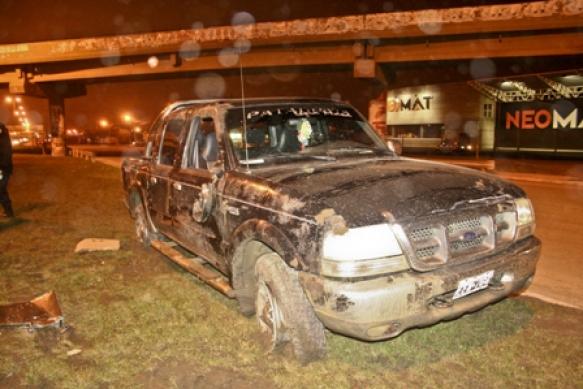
(385, 306)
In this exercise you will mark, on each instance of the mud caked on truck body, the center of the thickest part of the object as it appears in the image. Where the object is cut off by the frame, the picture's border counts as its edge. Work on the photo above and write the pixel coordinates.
(312, 222)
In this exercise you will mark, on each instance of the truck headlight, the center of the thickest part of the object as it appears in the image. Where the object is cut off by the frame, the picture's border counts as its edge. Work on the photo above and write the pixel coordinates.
(524, 217)
(361, 252)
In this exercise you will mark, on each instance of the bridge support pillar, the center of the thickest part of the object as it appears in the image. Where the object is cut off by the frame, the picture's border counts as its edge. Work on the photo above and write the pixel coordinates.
(57, 124)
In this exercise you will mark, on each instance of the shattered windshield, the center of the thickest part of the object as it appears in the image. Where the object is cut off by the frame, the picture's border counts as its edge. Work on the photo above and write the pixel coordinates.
(300, 131)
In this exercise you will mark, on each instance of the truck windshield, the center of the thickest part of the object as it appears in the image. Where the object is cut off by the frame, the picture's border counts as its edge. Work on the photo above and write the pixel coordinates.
(279, 133)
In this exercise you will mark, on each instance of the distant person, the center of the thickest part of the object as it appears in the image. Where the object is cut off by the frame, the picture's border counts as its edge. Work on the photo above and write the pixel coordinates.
(5, 170)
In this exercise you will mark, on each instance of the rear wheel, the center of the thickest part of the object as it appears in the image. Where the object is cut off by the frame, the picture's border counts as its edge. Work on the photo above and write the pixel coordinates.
(284, 314)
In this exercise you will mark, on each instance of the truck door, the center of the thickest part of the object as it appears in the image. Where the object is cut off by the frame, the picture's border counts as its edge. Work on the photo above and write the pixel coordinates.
(162, 166)
(196, 222)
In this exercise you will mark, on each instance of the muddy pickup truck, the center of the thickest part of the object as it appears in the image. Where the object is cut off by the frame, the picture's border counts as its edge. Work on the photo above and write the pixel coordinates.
(296, 208)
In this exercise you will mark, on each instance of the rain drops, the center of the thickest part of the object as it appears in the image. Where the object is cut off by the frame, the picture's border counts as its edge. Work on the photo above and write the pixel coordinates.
(482, 68)
(472, 128)
(110, 57)
(209, 86)
(228, 57)
(189, 50)
(35, 117)
(153, 62)
(452, 120)
(430, 22)
(242, 19)
(242, 45)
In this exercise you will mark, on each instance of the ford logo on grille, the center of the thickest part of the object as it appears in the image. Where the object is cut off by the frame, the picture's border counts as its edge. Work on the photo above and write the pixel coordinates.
(470, 235)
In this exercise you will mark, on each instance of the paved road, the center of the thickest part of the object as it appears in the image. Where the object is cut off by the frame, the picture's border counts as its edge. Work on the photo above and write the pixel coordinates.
(559, 219)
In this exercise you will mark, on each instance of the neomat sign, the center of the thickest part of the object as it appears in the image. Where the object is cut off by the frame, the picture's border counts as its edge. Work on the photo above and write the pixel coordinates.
(541, 126)
(528, 119)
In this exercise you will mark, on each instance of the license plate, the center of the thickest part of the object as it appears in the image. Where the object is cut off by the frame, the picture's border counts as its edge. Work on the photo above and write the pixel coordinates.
(473, 284)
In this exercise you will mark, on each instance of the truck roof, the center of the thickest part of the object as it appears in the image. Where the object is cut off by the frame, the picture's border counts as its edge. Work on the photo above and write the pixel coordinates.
(254, 101)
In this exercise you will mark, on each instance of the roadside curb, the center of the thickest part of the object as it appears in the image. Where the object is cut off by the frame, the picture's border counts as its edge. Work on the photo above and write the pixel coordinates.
(109, 161)
(490, 166)
(549, 300)
(540, 178)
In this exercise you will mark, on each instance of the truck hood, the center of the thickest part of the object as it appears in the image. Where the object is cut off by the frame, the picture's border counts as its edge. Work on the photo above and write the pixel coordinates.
(367, 192)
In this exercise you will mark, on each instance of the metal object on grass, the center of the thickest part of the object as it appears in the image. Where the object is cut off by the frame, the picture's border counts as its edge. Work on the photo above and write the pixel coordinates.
(42, 311)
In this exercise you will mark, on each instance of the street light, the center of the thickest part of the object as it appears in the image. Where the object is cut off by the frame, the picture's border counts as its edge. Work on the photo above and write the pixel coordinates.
(127, 117)
(103, 123)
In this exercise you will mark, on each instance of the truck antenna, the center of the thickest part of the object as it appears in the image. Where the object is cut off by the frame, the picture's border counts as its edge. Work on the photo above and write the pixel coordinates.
(244, 110)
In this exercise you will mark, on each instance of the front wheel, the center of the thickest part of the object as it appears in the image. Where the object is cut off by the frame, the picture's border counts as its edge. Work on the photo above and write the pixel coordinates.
(144, 231)
(284, 314)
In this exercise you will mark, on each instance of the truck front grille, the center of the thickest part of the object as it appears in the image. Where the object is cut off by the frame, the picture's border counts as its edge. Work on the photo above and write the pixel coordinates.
(452, 239)
(470, 235)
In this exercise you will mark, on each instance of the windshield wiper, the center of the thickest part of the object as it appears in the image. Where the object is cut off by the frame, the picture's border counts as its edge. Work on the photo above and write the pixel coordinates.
(286, 156)
(295, 157)
(352, 149)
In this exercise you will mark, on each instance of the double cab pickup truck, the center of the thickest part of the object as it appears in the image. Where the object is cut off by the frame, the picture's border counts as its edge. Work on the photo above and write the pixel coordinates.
(300, 211)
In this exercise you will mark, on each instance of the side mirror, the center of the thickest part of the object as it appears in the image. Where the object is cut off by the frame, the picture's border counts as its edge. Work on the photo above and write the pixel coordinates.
(395, 147)
(202, 206)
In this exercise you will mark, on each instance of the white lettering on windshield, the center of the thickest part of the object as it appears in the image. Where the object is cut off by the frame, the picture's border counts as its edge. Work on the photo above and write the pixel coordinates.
(301, 112)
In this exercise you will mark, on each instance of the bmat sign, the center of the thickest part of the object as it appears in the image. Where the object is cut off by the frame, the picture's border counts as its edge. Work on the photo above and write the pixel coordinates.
(414, 103)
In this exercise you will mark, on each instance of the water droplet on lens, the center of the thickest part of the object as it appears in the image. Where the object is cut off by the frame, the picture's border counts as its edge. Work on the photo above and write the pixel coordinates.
(189, 50)
(482, 68)
(209, 85)
(228, 57)
(153, 61)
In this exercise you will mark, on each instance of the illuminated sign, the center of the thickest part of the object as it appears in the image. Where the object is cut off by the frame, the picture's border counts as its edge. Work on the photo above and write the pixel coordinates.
(414, 103)
(541, 126)
(529, 119)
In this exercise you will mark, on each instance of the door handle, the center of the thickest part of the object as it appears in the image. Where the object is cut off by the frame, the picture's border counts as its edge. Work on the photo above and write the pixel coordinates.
(177, 185)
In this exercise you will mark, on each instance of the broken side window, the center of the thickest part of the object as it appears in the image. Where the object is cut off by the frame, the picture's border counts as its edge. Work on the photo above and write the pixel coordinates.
(173, 133)
(202, 149)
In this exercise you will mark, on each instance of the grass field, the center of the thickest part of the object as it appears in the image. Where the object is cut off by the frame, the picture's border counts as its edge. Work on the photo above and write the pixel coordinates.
(141, 322)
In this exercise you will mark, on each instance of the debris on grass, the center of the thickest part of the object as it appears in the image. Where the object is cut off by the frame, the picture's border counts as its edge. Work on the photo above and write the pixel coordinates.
(97, 244)
(75, 351)
(43, 311)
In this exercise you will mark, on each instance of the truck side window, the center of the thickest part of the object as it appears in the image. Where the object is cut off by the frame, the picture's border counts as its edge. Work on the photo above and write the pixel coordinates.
(190, 159)
(173, 133)
(203, 148)
(154, 138)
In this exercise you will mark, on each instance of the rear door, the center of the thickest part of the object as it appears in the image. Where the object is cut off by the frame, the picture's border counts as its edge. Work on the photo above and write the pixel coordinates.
(194, 191)
(163, 163)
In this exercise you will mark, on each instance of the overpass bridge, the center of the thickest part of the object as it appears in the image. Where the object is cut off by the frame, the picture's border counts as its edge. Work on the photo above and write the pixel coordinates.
(371, 46)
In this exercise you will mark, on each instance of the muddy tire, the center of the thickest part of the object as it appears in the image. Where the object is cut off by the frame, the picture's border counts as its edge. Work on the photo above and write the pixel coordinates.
(144, 231)
(284, 314)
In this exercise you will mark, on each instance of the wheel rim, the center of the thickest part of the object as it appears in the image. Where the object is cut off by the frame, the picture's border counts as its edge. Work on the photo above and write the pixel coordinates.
(269, 315)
